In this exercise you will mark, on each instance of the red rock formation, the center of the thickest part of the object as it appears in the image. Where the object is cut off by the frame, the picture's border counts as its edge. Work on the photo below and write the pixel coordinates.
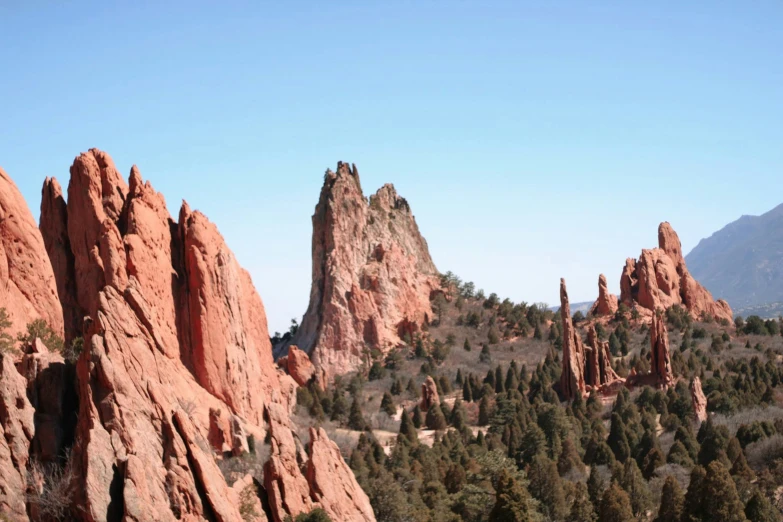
(177, 357)
(429, 394)
(372, 274)
(16, 433)
(299, 366)
(572, 378)
(660, 357)
(599, 361)
(699, 400)
(607, 301)
(27, 287)
(660, 279)
(332, 483)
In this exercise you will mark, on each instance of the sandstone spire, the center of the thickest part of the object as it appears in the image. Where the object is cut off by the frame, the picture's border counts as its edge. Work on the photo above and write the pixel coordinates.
(599, 361)
(660, 357)
(572, 379)
(607, 302)
(372, 274)
(699, 400)
(660, 279)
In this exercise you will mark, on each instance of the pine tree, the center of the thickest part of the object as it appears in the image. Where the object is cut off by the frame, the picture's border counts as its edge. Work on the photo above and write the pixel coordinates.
(396, 387)
(435, 419)
(582, 509)
(511, 500)
(483, 416)
(720, 499)
(547, 487)
(416, 418)
(466, 345)
(760, 509)
(458, 378)
(595, 487)
(412, 388)
(467, 391)
(355, 417)
(618, 440)
(693, 510)
(672, 501)
(633, 483)
(499, 388)
(408, 431)
(387, 405)
(615, 505)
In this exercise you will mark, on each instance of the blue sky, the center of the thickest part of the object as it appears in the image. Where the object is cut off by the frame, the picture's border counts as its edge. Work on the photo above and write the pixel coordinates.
(533, 140)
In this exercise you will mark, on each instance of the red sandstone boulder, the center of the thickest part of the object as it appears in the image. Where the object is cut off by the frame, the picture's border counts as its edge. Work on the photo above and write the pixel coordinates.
(429, 394)
(372, 274)
(299, 366)
(607, 301)
(28, 290)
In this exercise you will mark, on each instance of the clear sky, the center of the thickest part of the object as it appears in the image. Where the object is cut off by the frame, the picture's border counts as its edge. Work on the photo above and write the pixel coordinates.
(533, 140)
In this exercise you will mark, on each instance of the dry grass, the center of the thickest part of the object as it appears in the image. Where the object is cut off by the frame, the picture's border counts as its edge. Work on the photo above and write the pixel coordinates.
(50, 489)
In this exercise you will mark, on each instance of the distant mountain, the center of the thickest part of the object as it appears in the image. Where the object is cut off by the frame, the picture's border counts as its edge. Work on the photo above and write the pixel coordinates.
(743, 262)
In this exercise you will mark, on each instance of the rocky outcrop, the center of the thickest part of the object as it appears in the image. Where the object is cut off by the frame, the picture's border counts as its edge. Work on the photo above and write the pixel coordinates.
(372, 278)
(332, 483)
(177, 366)
(17, 429)
(599, 371)
(659, 279)
(299, 366)
(429, 394)
(572, 378)
(699, 400)
(606, 304)
(660, 357)
(27, 287)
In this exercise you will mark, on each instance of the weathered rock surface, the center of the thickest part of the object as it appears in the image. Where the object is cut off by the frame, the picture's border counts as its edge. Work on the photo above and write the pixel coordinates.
(606, 304)
(372, 278)
(659, 279)
(17, 429)
(299, 366)
(572, 378)
(699, 400)
(332, 483)
(177, 366)
(660, 356)
(27, 287)
(598, 361)
(429, 394)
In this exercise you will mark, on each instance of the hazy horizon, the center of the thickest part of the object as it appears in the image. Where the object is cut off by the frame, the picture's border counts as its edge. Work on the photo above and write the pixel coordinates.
(553, 149)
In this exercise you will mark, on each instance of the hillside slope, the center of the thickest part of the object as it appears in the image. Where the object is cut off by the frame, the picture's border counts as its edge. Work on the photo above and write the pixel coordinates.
(743, 262)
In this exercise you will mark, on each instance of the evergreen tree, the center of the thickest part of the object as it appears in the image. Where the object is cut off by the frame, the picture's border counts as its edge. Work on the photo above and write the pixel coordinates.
(396, 387)
(618, 440)
(720, 500)
(679, 455)
(760, 509)
(355, 417)
(466, 345)
(412, 388)
(408, 431)
(636, 487)
(582, 509)
(615, 505)
(467, 392)
(435, 419)
(485, 356)
(547, 487)
(416, 418)
(387, 405)
(483, 416)
(511, 500)
(693, 510)
(499, 388)
(672, 501)
(595, 487)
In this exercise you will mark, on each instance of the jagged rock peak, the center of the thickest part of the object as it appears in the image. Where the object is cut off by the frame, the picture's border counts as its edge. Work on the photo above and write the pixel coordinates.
(372, 277)
(572, 378)
(660, 355)
(659, 279)
(606, 304)
(28, 290)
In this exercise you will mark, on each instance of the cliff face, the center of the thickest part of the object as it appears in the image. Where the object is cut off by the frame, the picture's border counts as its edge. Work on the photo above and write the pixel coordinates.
(373, 277)
(176, 370)
(660, 279)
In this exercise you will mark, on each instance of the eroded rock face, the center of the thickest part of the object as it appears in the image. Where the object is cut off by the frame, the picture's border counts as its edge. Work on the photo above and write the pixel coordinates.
(429, 394)
(699, 400)
(572, 378)
(607, 301)
(27, 287)
(599, 361)
(660, 357)
(660, 279)
(372, 274)
(17, 429)
(177, 367)
(332, 483)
